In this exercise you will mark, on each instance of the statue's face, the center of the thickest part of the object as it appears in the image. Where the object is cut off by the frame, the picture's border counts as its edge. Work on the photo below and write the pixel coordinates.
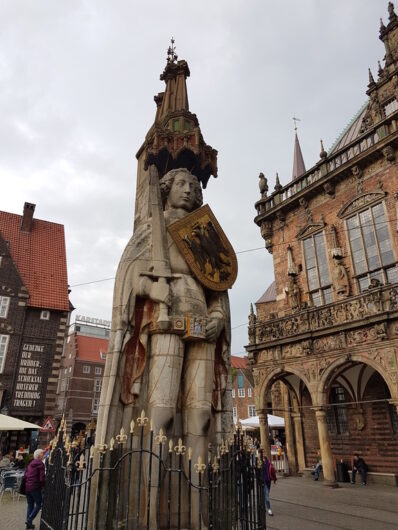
(182, 192)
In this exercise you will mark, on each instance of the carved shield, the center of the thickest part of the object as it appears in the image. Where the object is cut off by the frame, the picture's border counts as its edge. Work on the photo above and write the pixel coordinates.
(209, 254)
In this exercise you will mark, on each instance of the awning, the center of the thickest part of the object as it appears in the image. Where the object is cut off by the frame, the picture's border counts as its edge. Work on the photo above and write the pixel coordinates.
(8, 423)
(274, 422)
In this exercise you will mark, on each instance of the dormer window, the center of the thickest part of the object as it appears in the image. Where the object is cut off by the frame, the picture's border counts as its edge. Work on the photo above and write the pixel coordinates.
(45, 315)
(390, 107)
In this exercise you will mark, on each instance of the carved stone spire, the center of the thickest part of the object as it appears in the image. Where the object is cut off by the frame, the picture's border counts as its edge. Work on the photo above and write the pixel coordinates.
(298, 160)
(380, 70)
(278, 186)
(175, 139)
(323, 153)
(371, 79)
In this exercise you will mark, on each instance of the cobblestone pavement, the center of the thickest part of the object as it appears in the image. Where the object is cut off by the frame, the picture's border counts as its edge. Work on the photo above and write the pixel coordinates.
(297, 503)
(302, 504)
(13, 513)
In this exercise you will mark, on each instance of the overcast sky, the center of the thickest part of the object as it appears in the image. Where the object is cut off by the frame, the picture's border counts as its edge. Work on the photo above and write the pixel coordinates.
(77, 80)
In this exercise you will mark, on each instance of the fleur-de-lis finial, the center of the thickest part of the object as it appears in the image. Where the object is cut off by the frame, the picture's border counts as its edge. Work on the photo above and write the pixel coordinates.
(81, 464)
(121, 437)
(142, 420)
(215, 465)
(102, 447)
(160, 438)
(172, 57)
(199, 466)
(180, 449)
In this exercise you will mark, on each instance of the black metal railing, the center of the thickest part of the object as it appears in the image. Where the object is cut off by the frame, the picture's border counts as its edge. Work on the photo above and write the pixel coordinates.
(140, 481)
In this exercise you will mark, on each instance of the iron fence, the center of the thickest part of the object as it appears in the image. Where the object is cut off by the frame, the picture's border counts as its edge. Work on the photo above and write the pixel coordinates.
(142, 481)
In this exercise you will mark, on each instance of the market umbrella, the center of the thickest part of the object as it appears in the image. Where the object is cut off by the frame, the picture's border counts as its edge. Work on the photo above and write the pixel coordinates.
(254, 422)
(8, 423)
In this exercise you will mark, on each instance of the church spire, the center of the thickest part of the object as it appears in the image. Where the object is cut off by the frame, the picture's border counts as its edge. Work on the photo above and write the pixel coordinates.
(298, 160)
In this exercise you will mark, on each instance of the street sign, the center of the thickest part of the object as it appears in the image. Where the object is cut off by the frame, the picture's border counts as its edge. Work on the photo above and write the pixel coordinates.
(48, 426)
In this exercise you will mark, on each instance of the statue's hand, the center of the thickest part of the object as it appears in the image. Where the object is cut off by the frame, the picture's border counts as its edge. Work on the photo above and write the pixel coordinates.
(213, 329)
(160, 292)
(156, 291)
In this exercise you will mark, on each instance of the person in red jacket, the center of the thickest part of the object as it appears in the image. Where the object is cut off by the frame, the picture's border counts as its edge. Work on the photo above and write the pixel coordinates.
(268, 475)
(35, 480)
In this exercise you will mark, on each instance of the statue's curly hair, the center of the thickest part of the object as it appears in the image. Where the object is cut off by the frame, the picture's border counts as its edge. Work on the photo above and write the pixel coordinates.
(166, 183)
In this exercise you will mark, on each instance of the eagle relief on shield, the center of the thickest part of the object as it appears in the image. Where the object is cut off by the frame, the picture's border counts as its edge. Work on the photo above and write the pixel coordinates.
(209, 254)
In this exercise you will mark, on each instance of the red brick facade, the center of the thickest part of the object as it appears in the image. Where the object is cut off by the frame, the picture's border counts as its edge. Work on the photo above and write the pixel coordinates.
(329, 329)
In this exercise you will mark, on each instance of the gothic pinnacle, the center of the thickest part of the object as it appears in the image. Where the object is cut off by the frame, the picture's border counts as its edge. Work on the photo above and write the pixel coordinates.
(277, 183)
(382, 26)
(392, 15)
(371, 79)
(323, 153)
(380, 70)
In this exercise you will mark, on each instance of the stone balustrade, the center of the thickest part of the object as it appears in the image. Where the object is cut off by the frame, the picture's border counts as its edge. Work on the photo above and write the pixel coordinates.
(348, 313)
(326, 167)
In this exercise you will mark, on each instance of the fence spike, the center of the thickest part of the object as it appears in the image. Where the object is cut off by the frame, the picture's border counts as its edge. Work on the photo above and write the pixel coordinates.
(92, 451)
(111, 444)
(199, 466)
(170, 446)
(142, 420)
(122, 436)
(189, 453)
(180, 449)
(132, 425)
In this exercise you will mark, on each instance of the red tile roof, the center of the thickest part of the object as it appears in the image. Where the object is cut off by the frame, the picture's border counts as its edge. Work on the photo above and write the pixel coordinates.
(90, 348)
(238, 362)
(40, 257)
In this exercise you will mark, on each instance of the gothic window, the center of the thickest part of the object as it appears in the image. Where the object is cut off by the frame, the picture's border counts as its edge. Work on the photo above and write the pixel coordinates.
(4, 303)
(3, 350)
(336, 416)
(318, 277)
(371, 247)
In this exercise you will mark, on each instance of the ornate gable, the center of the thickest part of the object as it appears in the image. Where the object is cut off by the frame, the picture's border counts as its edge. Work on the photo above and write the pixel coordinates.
(360, 201)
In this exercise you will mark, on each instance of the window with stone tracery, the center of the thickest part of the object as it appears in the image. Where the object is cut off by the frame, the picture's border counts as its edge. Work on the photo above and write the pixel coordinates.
(371, 248)
(317, 268)
(3, 350)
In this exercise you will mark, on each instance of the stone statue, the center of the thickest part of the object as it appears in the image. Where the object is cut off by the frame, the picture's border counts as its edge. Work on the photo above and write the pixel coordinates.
(340, 279)
(294, 294)
(177, 375)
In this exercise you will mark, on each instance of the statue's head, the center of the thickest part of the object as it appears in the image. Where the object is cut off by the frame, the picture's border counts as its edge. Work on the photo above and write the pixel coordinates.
(181, 189)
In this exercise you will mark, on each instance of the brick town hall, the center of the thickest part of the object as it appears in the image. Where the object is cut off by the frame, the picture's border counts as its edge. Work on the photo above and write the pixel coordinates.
(324, 337)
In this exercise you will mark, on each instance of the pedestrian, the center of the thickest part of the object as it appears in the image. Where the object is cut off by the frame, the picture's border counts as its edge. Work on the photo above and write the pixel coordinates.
(318, 466)
(35, 481)
(19, 462)
(269, 475)
(361, 466)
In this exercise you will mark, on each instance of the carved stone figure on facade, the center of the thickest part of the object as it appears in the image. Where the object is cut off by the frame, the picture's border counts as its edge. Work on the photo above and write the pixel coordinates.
(294, 294)
(340, 279)
(263, 185)
(252, 324)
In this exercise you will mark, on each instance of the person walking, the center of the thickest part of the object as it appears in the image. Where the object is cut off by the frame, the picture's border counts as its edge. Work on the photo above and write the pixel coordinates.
(269, 475)
(35, 480)
(361, 466)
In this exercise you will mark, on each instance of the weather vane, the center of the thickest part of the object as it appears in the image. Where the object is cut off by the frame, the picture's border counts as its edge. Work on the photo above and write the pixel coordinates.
(295, 122)
(171, 52)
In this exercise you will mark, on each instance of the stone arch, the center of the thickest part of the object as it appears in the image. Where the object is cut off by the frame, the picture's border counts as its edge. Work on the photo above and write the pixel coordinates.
(277, 374)
(338, 365)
